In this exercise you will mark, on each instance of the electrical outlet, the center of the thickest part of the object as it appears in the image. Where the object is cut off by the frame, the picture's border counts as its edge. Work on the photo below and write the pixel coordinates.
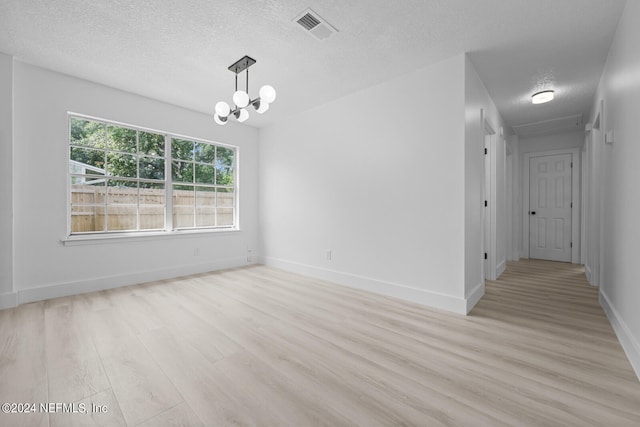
(196, 251)
(250, 257)
(327, 254)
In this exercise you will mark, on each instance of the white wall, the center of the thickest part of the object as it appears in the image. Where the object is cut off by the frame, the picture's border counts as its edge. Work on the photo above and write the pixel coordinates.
(620, 89)
(43, 267)
(477, 99)
(550, 142)
(7, 298)
(379, 180)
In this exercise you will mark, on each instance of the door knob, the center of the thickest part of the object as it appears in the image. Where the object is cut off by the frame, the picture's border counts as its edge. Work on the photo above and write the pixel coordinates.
(533, 212)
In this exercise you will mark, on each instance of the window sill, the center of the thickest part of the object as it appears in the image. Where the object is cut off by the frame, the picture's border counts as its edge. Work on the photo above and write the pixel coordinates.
(98, 239)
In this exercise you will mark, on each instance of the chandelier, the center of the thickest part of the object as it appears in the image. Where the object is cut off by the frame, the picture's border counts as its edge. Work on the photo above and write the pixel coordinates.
(241, 100)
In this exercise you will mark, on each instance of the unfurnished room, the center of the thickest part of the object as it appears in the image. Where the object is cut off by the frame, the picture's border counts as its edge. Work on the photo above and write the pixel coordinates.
(319, 213)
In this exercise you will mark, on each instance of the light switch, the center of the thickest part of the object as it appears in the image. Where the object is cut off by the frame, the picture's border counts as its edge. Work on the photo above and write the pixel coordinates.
(608, 137)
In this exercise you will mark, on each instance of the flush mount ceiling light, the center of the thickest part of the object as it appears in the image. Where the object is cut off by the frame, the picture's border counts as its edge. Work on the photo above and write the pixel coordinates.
(241, 100)
(542, 97)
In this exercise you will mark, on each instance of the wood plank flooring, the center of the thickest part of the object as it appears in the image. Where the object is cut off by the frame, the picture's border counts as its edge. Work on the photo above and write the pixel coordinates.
(262, 347)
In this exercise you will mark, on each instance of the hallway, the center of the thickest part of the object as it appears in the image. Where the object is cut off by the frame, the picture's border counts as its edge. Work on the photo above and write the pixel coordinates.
(561, 344)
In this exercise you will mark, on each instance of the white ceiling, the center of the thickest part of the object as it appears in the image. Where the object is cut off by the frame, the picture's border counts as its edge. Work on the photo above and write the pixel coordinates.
(179, 51)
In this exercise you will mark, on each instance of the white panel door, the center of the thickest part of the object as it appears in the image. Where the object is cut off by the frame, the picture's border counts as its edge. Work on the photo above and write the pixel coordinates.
(550, 207)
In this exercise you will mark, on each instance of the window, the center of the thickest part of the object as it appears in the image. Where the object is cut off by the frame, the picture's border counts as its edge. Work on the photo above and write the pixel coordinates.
(129, 179)
(203, 184)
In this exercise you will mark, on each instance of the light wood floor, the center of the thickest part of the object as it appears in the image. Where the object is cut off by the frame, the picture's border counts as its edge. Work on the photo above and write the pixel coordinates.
(258, 346)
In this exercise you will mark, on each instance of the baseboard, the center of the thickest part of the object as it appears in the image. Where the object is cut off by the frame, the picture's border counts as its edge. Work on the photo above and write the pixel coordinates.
(474, 296)
(502, 266)
(587, 272)
(83, 286)
(629, 344)
(419, 296)
(8, 300)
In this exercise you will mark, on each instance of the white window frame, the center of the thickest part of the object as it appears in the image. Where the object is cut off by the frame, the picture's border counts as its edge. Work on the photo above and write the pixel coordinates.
(169, 228)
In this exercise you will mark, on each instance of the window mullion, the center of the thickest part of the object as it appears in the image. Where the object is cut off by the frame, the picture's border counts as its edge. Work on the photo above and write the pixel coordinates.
(105, 214)
(168, 184)
(138, 212)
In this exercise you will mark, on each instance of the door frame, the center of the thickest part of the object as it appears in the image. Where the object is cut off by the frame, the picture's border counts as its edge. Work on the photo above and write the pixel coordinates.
(584, 202)
(594, 172)
(489, 226)
(575, 200)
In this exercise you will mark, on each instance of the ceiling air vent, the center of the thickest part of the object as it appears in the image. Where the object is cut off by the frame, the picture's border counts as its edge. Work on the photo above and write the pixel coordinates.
(309, 21)
(314, 25)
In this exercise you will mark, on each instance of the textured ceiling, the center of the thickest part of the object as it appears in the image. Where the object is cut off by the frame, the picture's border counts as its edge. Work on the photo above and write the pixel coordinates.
(179, 51)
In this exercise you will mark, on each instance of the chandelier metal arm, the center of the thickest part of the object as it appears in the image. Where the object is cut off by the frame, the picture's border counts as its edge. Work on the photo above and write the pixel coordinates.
(251, 102)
